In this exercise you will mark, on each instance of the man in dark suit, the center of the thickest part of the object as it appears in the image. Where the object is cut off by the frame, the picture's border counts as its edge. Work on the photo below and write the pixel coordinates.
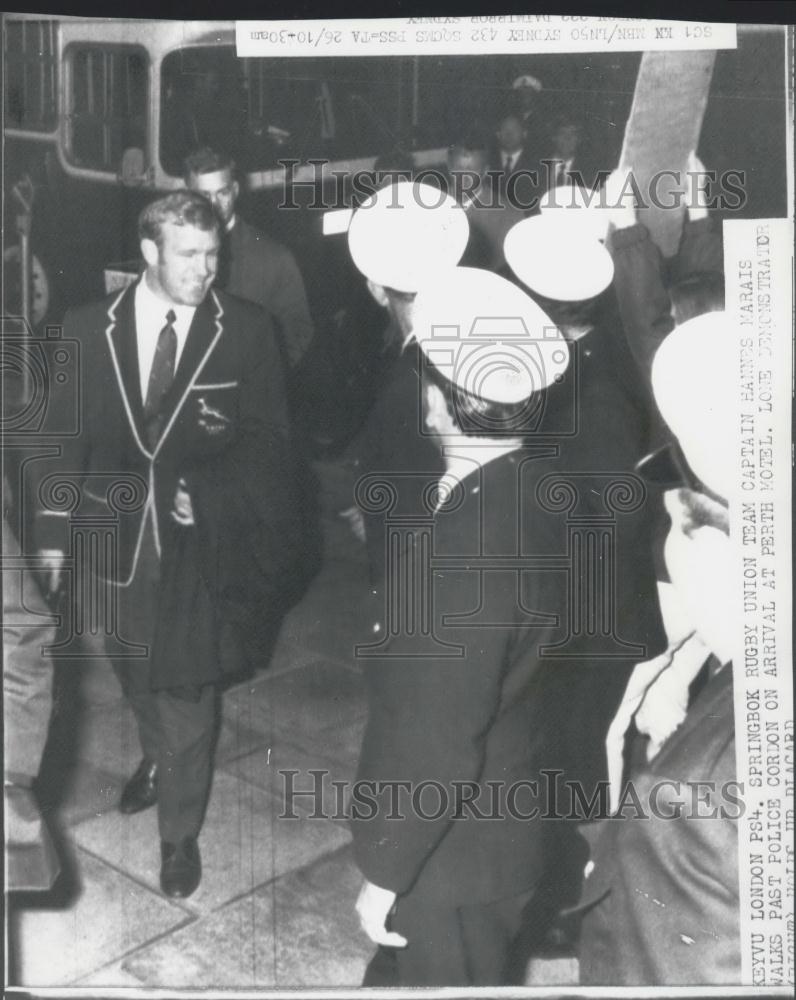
(184, 446)
(520, 173)
(568, 159)
(484, 195)
(253, 265)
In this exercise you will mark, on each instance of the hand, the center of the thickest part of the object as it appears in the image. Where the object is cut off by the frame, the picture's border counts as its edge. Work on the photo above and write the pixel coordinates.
(696, 197)
(373, 906)
(183, 508)
(356, 522)
(52, 563)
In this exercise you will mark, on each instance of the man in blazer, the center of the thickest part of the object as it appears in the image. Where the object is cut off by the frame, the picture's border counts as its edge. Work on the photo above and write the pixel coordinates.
(184, 446)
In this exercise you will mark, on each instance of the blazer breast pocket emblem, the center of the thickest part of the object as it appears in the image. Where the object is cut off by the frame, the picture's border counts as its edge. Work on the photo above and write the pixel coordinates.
(210, 419)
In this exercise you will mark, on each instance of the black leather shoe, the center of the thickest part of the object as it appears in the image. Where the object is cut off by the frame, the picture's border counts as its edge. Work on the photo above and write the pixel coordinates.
(141, 791)
(181, 871)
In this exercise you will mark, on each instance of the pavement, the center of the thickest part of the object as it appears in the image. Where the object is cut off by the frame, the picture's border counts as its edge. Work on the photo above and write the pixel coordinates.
(275, 908)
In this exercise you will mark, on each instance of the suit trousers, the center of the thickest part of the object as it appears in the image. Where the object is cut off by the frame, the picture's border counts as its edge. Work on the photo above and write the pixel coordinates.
(176, 730)
(467, 945)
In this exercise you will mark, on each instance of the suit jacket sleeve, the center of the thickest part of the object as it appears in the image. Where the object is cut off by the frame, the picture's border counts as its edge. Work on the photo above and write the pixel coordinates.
(428, 722)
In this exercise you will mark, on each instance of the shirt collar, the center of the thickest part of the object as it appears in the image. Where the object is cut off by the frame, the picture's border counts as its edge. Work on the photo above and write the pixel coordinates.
(154, 305)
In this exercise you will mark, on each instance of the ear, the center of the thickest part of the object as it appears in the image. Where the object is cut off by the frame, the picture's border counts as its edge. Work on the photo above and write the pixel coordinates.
(150, 252)
(235, 190)
(379, 293)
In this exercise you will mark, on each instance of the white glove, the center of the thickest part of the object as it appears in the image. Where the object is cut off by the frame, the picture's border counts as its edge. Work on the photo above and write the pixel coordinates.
(373, 906)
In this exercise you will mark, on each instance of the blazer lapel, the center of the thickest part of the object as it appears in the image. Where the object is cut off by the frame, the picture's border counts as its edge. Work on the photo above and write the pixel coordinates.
(121, 334)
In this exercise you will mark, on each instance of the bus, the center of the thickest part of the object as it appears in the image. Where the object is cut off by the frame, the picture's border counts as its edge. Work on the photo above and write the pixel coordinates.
(100, 112)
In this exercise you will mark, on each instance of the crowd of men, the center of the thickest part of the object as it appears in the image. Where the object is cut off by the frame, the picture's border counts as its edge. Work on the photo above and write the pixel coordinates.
(523, 360)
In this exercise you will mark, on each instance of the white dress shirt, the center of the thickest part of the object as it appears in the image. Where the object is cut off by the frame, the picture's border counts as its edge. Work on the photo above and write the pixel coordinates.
(510, 160)
(150, 318)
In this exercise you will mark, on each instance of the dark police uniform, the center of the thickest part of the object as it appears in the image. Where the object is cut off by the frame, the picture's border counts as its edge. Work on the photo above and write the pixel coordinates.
(476, 710)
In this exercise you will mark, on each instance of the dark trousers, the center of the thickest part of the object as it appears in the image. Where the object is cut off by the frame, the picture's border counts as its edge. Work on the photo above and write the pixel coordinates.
(450, 946)
(176, 729)
(178, 735)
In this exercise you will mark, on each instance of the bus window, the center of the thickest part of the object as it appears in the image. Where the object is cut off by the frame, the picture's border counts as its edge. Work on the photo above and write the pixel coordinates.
(262, 111)
(291, 111)
(342, 109)
(107, 105)
(31, 72)
(203, 103)
(258, 110)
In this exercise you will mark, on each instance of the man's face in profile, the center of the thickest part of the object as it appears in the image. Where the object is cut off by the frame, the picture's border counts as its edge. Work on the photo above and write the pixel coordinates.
(221, 190)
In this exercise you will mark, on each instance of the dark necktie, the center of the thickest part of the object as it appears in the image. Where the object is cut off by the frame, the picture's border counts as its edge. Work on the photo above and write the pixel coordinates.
(224, 262)
(160, 379)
